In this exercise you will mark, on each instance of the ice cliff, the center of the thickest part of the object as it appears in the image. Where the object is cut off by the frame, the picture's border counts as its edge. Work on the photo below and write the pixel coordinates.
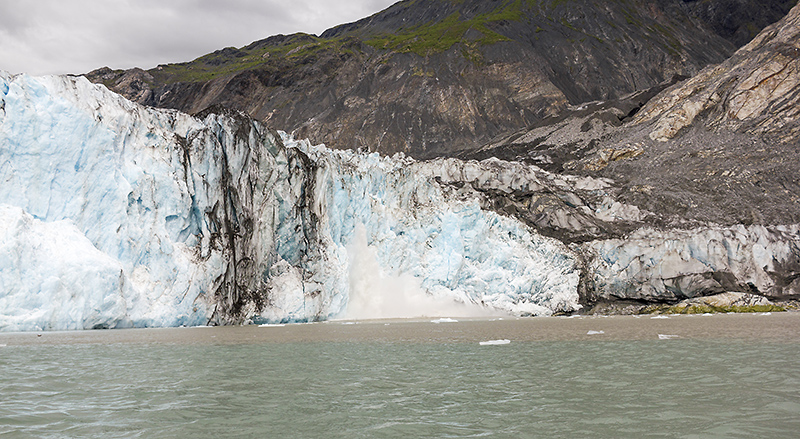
(117, 215)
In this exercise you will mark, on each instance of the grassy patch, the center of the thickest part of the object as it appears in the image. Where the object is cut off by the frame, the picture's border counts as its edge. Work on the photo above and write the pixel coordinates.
(230, 61)
(437, 37)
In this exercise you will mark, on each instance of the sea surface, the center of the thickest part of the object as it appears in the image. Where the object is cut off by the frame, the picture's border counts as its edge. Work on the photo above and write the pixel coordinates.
(720, 376)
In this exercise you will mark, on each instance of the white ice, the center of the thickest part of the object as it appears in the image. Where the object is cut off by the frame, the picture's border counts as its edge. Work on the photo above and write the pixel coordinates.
(109, 214)
(494, 342)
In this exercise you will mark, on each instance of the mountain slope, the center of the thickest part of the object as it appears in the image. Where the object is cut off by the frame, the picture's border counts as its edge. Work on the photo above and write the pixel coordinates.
(719, 147)
(708, 164)
(432, 77)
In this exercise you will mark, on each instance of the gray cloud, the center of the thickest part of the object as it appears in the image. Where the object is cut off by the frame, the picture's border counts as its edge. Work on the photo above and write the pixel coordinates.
(76, 36)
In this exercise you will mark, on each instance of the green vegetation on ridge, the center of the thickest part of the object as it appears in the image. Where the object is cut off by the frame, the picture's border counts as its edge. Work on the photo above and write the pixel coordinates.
(429, 38)
(439, 35)
(231, 60)
(436, 37)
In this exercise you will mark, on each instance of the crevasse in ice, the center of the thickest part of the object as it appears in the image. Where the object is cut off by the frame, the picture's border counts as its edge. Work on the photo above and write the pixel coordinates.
(118, 215)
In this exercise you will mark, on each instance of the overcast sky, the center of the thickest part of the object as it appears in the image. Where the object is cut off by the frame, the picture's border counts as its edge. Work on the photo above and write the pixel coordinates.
(77, 36)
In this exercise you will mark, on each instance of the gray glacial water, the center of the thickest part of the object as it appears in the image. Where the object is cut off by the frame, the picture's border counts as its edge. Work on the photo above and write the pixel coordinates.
(703, 377)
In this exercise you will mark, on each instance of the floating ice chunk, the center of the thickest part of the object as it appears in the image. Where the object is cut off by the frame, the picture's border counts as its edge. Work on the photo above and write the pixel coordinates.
(766, 314)
(667, 336)
(659, 317)
(494, 342)
(444, 320)
(595, 332)
(271, 325)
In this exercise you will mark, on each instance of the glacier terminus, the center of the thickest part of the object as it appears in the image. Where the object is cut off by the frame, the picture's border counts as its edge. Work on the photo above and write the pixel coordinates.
(118, 215)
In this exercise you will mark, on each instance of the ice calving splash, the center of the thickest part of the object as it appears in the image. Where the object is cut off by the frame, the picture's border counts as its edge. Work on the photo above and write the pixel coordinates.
(375, 294)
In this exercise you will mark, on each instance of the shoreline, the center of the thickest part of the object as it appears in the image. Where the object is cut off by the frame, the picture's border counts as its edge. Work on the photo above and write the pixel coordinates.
(700, 305)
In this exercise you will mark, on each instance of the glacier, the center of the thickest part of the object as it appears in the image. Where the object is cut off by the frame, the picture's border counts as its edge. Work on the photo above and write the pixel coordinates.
(658, 265)
(117, 215)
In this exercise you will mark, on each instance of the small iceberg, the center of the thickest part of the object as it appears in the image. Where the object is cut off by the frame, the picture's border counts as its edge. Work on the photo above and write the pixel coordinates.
(667, 336)
(271, 325)
(659, 317)
(595, 332)
(444, 320)
(494, 342)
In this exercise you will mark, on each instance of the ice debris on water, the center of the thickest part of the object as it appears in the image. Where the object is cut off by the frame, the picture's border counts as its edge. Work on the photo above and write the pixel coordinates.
(592, 332)
(444, 320)
(494, 342)
(667, 336)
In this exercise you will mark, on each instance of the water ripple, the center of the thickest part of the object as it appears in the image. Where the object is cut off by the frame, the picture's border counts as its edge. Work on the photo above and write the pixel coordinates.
(684, 388)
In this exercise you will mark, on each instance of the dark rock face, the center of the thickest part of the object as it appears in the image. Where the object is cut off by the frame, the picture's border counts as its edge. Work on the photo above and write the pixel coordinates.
(720, 147)
(738, 21)
(432, 77)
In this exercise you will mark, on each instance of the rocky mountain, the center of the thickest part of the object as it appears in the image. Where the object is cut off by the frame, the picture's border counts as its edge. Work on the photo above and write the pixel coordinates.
(701, 167)
(718, 147)
(435, 77)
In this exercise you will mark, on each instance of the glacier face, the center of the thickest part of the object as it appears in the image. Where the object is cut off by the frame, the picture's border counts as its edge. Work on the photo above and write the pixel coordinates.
(118, 215)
